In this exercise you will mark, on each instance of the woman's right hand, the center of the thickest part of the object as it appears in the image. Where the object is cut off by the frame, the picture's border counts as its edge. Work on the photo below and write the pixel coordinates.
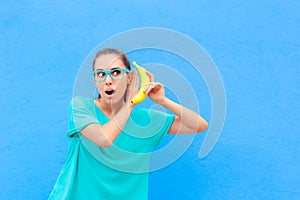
(133, 86)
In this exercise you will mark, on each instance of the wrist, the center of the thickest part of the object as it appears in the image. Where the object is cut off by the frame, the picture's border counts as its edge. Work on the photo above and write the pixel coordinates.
(163, 102)
(129, 106)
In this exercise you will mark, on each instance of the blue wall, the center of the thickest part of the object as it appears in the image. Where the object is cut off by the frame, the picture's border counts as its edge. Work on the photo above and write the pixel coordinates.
(255, 45)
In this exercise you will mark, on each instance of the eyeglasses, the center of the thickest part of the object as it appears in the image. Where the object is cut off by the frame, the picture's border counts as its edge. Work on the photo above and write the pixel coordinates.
(115, 74)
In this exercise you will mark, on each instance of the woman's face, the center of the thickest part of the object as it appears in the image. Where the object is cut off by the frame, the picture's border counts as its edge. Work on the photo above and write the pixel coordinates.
(111, 91)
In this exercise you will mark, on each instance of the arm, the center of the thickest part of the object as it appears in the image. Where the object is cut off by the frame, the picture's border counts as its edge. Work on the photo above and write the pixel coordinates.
(105, 135)
(186, 120)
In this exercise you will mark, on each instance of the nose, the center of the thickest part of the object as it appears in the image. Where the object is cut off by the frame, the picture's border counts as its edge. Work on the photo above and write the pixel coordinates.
(108, 80)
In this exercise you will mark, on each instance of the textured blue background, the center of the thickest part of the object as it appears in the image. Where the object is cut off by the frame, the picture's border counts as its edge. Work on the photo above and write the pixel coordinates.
(255, 45)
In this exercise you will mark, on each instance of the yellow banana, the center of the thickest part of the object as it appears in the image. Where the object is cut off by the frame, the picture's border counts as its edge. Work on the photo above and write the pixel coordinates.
(141, 95)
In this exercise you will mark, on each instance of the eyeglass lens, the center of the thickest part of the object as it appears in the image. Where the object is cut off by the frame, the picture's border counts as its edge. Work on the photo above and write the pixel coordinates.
(115, 74)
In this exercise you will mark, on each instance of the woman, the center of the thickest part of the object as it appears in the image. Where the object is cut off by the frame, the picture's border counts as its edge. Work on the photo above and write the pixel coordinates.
(124, 134)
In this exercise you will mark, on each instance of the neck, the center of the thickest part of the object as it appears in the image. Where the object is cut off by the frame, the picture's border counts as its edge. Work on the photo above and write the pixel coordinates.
(109, 108)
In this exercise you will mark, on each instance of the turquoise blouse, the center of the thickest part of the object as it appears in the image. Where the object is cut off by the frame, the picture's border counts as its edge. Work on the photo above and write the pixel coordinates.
(117, 172)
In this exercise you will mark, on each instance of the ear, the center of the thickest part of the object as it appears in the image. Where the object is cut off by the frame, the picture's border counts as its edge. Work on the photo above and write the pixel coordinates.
(129, 76)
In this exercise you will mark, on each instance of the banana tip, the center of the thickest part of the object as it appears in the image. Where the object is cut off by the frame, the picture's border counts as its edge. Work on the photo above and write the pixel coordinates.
(135, 64)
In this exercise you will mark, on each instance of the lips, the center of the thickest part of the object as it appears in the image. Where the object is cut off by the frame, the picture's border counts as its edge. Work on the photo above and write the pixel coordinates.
(110, 92)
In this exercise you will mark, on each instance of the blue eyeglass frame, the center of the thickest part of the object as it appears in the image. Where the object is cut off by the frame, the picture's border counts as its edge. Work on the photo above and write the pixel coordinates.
(123, 70)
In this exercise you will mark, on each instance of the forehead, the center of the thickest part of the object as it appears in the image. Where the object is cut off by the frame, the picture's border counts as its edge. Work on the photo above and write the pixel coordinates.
(108, 61)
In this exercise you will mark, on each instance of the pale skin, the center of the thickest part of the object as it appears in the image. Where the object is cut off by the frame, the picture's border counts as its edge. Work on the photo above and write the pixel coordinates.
(118, 110)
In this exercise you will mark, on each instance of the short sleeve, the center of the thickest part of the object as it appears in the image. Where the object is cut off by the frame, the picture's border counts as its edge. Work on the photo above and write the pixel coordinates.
(163, 121)
(81, 114)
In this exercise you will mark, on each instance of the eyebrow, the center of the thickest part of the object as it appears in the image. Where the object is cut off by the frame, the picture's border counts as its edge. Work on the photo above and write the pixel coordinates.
(110, 69)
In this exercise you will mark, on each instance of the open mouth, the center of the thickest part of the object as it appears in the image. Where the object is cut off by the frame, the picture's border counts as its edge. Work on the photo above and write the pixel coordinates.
(110, 92)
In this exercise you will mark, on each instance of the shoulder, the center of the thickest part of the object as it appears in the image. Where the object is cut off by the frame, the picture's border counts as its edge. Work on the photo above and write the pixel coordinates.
(80, 102)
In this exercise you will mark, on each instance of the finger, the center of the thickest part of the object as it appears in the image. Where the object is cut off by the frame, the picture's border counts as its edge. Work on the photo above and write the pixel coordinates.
(134, 81)
(150, 76)
(133, 74)
(150, 87)
(147, 87)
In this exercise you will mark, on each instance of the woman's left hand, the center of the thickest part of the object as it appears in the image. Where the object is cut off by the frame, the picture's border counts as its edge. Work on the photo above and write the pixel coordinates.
(155, 90)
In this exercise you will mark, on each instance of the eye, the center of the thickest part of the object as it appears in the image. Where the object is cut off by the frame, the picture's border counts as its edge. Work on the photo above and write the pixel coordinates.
(100, 74)
(116, 72)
